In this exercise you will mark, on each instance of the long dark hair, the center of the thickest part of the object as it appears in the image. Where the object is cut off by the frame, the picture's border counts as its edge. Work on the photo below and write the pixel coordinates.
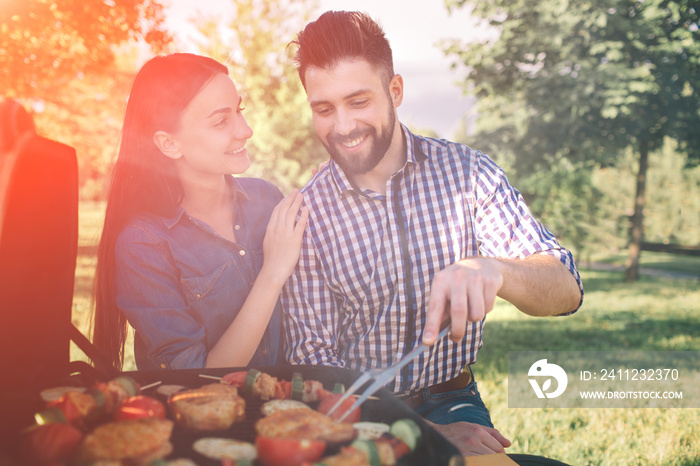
(143, 179)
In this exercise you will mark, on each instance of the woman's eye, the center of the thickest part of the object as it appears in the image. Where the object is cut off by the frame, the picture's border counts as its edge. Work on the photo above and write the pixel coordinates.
(221, 123)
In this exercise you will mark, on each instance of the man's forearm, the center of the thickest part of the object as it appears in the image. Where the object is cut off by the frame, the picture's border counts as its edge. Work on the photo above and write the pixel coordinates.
(539, 285)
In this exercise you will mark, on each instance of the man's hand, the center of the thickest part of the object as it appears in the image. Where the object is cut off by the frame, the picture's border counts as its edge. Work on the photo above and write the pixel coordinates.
(472, 439)
(466, 290)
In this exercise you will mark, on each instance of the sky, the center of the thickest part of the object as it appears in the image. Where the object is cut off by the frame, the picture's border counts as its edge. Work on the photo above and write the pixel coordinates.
(433, 99)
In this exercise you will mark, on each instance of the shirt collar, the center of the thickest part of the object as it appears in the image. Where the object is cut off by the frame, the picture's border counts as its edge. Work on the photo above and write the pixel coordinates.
(414, 155)
(239, 192)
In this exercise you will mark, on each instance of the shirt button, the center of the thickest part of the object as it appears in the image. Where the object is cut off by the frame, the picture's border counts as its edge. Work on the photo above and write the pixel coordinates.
(264, 351)
(241, 252)
(163, 366)
(237, 227)
(198, 295)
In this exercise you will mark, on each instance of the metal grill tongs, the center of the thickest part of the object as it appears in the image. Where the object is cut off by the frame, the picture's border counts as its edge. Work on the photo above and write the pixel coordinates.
(381, 377)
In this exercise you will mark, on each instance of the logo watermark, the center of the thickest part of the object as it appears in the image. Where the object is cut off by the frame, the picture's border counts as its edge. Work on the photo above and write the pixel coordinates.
(604, 379)
(553, 372)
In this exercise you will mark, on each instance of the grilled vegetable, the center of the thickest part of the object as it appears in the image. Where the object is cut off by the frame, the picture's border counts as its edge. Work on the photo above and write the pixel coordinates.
(273, 406)
(408, 431)
(266, 387)
(225, 449)
(139, 406)
(51, 443)
(79, 407)
(370, 449)
(386, 450)
(280, 451)
(370, 430)
(297, 387)
(329, 401)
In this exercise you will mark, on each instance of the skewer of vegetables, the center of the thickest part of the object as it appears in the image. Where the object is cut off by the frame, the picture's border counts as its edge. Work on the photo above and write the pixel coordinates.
(266, 387)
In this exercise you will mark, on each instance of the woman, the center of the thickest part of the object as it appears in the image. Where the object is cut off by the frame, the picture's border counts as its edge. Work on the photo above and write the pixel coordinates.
(193, 258)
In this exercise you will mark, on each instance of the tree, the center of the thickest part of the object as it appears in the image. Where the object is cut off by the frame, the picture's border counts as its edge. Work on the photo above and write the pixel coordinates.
(72, 63)
(284, 145)
(87, 114)
(45, 44)
(585, 80)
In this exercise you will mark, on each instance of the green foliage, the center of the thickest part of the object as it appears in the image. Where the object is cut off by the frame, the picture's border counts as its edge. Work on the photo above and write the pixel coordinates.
(589, 77)
(284, 147)
(87, 115)
(71, 63)
(672, 214)
(568, 202)
(46, 45)
(583, 81)
(588, 207)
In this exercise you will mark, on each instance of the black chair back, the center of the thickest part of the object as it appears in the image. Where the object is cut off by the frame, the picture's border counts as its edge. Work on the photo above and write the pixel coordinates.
(38, 251)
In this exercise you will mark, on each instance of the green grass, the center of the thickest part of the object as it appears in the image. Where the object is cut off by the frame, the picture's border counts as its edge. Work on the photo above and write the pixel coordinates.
(653, 314)
(656, 314)
(91, 216)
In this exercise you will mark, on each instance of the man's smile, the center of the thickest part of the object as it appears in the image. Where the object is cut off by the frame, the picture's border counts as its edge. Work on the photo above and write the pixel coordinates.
(354, 142)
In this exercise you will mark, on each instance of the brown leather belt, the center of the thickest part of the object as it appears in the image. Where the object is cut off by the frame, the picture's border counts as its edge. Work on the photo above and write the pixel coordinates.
(458, 383)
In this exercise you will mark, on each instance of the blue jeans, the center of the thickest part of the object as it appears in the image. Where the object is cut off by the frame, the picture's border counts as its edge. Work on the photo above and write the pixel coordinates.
(458, 405)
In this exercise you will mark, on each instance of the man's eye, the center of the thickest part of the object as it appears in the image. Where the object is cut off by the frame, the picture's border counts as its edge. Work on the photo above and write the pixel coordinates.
(359, 103)
(323, 111)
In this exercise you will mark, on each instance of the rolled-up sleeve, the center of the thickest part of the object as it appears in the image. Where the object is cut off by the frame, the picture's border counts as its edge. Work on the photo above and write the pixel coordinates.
(505, 225)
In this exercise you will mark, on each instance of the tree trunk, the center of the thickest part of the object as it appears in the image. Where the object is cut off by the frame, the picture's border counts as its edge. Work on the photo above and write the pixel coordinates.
(637, 230)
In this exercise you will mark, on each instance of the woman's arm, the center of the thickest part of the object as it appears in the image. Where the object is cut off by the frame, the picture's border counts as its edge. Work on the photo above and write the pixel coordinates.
(281, 248)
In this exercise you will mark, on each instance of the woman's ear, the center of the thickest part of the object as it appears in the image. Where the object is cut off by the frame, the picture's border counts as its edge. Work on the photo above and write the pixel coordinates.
(167, 144)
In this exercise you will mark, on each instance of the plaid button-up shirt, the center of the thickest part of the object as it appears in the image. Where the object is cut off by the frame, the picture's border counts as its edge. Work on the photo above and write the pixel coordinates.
(359, 295)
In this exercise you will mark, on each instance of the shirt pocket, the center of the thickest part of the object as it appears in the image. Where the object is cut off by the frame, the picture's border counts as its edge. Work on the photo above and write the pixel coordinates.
(199, 287)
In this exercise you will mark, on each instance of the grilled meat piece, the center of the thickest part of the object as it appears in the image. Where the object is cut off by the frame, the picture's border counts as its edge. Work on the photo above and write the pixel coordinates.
(304, 424)
(211, 407)
(134, 442)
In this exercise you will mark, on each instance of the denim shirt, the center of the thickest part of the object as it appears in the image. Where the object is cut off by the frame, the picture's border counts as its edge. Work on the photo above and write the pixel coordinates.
(181, 284)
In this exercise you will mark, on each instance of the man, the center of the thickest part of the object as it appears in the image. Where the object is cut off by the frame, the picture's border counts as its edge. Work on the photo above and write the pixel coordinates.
(403, 231)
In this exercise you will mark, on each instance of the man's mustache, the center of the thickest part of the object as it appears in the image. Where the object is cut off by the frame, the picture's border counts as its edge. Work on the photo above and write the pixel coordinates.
(351, 136)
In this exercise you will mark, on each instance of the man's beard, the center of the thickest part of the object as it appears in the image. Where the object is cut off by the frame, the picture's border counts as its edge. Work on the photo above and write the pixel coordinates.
(357, 164)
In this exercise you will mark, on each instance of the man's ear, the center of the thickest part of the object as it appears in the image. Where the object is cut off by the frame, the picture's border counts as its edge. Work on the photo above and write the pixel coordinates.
(167, 144)
(396, 90)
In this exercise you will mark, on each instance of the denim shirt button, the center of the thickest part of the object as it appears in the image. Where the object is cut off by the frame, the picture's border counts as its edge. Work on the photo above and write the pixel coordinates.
(264, 351)
(198, 295)
(237, 227)
(241, 252)
(163, 366)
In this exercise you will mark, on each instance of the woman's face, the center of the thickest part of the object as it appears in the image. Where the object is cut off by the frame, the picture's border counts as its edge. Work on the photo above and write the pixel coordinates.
(213, 132)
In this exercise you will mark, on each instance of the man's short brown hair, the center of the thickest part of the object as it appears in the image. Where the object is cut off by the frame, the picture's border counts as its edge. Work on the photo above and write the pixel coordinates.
(341, 35)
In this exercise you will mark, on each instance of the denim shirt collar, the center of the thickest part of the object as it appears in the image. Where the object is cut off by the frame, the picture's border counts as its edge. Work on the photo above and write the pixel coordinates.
(239, 192)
